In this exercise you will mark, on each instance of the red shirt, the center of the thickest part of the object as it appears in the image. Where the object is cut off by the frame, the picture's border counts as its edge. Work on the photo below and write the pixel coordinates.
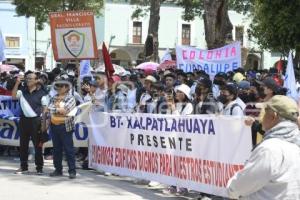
(4, 92)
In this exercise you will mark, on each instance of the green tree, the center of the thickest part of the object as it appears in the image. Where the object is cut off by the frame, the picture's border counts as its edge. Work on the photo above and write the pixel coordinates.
(276, 25)
(218, 28)
(142, 9)
(40, 8)
(217, 25)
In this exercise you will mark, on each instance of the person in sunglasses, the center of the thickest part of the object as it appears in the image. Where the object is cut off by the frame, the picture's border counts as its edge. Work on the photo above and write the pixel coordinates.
(62, 127)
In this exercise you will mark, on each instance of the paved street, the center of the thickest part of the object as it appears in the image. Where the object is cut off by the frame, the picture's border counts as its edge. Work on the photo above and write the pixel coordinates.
(89, 185)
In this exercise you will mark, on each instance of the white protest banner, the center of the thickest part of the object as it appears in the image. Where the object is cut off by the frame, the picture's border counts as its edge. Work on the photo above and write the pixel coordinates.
(167, 56)
(10, 135)
(211, 61)
(73, 35)
(198, 152)
(2, 48)
(9, 106)
(290, 80)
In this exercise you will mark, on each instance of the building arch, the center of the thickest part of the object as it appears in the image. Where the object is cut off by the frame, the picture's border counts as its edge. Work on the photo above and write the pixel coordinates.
(140, 58)
(121, 57)
(253, 62)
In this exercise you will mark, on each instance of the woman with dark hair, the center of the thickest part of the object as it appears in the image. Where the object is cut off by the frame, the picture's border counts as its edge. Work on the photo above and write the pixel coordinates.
(183, 105)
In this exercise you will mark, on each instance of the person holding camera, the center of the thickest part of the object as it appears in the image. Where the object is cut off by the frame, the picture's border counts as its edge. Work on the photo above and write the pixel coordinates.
(32, 102)
(90, 88)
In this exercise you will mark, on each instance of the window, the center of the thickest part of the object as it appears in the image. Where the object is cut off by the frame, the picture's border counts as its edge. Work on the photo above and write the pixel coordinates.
(186, 34)
(239, 34)
(12, 42)
(137, 32)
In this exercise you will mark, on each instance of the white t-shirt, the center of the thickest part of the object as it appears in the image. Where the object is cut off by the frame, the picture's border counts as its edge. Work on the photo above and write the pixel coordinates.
(183, 109)
(236, 110)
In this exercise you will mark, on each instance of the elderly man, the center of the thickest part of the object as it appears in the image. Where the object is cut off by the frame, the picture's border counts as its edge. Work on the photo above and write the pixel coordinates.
(272, 171)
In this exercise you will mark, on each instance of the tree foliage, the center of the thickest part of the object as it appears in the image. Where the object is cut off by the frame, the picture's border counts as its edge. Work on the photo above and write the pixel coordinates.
(218, 28)
(40, 8)
(195, 8)
(144, 7)
(276, 24)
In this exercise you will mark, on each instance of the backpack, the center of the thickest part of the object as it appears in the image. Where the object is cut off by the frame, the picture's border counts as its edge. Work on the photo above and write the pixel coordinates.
(233, 106)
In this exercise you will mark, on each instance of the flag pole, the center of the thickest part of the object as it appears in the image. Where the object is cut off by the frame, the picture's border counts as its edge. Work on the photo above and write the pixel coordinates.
(78, 77)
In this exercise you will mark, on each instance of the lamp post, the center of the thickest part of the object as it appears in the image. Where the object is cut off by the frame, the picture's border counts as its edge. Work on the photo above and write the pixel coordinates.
(110, 41)
(35, 43)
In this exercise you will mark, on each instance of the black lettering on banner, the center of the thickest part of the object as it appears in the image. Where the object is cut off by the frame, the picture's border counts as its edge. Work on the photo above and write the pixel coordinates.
(129, 123)
(131, 138)
(112, 122)
(148, 141)
(140, 139)
(162, 140)
(155, 141)
(188, 144)
(172, 142)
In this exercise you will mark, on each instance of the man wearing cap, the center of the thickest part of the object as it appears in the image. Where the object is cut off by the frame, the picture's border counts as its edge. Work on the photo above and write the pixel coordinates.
(272, 171)
(244, 95)
(269, 88)
(125, 76)
(238, 77)
(90, 88)
(32, 102)
(219, 80)
(120, 102)
(228, 97)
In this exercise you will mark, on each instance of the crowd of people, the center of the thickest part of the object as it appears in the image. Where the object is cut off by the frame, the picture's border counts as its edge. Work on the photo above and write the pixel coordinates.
(169, 91)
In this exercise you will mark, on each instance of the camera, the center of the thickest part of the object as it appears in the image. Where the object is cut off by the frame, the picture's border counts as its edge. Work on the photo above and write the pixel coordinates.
(23, 83)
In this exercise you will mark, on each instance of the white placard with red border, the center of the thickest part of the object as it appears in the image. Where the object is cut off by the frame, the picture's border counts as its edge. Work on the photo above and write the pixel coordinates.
(73, 35)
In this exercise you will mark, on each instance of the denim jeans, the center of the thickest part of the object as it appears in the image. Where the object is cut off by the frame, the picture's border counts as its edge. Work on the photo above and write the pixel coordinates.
(62, 140)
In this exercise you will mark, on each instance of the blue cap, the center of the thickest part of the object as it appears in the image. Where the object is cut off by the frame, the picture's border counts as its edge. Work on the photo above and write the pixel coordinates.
(244, 85)
(93, 83)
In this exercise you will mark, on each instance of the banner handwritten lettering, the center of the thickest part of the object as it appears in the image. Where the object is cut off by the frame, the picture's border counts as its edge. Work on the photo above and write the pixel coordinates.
(227, 58)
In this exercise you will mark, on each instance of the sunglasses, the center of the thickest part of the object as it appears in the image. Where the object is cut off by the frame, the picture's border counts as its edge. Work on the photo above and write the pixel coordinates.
(59, 85)
(29, 79)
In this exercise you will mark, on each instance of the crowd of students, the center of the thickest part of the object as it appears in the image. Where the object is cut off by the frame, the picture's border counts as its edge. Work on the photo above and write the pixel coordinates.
(170, 91)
